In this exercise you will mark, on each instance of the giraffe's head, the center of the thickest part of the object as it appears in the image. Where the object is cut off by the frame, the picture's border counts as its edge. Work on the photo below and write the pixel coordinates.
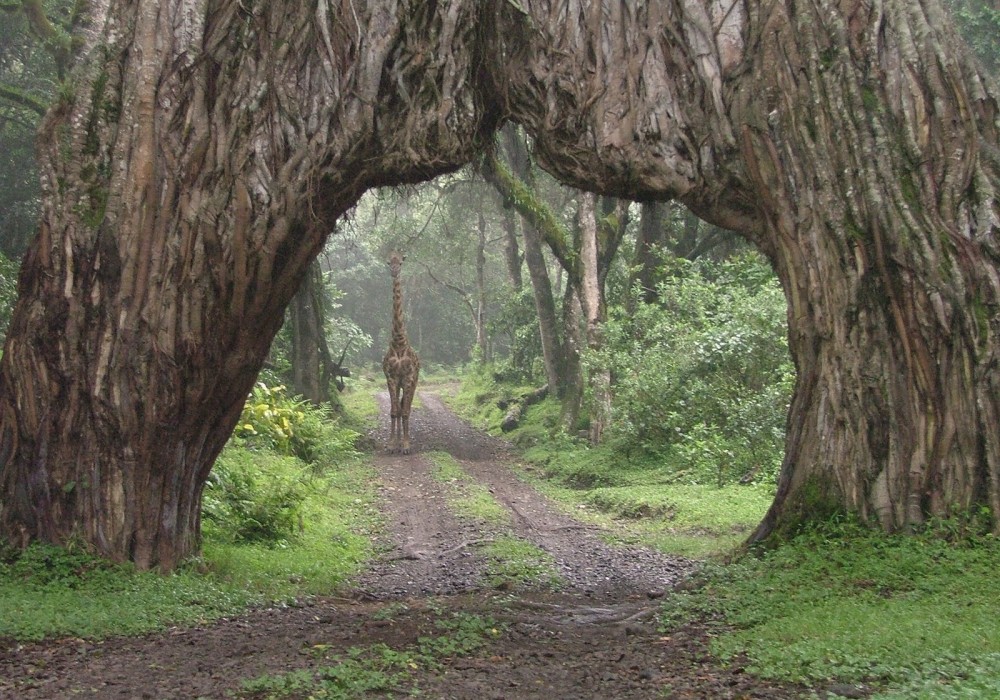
(395, 262)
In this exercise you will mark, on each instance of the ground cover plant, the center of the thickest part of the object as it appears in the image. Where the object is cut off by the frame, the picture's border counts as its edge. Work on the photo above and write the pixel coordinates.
(639, 496)
(904, 616)
(378, 668)
(61, 592)
(285, 515)
(838, 607)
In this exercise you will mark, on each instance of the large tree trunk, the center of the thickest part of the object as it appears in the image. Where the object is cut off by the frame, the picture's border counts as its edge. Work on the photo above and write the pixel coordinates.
(207, 145)
(187, 183)
(856, 145)
(882, 223)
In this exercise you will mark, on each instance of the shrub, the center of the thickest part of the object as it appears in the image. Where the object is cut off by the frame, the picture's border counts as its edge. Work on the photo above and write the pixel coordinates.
(254, 497)
(269, 418)
(272, 420)
(704, 377)
(8, 291)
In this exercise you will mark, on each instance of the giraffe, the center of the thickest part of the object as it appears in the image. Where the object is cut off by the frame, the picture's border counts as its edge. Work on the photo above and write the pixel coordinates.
(401, 366)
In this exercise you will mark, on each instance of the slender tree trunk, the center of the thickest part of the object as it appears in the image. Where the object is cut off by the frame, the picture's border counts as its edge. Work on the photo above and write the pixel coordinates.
(512, 249)
(479, 312)
(512, 252)
(516, 189)
(311, 361)
(572, 376)
(652, 231)
(545, 307)
(595, 315)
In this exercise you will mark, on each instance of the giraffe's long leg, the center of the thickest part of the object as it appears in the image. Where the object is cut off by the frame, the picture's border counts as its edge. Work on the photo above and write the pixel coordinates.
(404, 414)
(394, 418)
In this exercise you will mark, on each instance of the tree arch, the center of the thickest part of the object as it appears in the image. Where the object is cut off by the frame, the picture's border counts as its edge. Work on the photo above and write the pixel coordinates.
(208, 146)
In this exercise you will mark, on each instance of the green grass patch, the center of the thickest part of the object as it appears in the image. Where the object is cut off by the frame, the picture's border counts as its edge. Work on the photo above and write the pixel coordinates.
(54, 592)
(325, 542)
(274, 528)
(637, 496)
(361, 410)
(513, 562)
(379, 668)
(469, 500)
(914, 616)
(478, 397)
(446, 468)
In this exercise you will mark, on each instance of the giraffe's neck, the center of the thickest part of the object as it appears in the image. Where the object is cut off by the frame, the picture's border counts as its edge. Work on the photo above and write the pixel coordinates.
(399, 340)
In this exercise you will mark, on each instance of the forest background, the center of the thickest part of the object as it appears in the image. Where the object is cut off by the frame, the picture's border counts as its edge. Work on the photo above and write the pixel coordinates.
(688, 384)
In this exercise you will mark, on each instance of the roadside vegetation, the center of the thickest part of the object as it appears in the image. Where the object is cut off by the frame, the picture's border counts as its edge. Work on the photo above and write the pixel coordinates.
(839, 606)
(286, 515)
(688, 466)
(844, 607)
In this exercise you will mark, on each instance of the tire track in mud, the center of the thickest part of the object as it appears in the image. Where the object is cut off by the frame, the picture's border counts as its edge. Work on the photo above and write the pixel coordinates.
(594, 639)
(429, 549)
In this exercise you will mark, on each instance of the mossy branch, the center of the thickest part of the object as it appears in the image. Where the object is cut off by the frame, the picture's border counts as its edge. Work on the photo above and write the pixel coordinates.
(24, 99)
(55, 39)
(534, 211)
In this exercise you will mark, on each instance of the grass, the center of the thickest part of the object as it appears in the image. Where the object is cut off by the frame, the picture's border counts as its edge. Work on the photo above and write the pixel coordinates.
(378, 668)
(914, 616)
(513, 562)
(330, 543)
(469, 500)
(360, 407)
(639, 499)
(909, 617)
(324, 515)
(54, 592)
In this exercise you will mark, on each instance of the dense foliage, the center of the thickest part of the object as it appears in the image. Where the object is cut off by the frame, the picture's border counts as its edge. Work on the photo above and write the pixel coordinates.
(259, 485)
(979, 22)
(703, 378)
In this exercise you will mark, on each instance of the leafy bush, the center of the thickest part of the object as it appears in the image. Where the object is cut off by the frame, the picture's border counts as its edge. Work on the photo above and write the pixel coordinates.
(8, 291)
(253, 497)
(704, 378)
(516, 322)
(272, 420)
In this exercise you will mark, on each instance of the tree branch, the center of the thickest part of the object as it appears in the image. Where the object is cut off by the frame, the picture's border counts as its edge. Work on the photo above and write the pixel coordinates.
(538, 214)
(56, 39)
(455, 288)
(24, 99)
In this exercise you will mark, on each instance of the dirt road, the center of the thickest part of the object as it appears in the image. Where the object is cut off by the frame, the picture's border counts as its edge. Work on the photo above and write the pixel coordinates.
(588, 631)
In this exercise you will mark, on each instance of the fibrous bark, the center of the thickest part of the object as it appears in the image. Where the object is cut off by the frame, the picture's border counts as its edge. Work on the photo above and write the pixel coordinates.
(187, 187)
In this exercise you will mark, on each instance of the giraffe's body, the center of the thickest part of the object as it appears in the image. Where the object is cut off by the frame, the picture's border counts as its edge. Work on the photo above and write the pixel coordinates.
(401, 366)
